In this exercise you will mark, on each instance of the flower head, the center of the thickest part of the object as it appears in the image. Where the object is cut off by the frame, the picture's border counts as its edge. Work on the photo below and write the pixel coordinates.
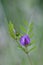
(24, 40)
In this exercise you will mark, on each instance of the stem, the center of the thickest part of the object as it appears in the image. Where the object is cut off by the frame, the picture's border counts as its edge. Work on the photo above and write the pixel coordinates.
(26, 51)
(29, 59)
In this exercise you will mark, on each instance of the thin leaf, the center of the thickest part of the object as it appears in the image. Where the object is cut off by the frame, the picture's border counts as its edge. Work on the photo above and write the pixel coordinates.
(31, 35)
(31, 25)
(33, 41)
(26, 23)
(32, 48)
(11, 30)
(23, 29)
(30, 28)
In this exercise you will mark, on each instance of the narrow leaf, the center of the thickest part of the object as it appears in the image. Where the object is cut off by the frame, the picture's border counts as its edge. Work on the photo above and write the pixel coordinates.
(26, 23)
(30, 28)
(11, 29)
(23, 29)
(33, 41)
(32, 48)
(31, 35)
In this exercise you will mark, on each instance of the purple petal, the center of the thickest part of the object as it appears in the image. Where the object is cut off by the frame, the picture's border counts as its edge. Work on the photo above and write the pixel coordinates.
(24, 40)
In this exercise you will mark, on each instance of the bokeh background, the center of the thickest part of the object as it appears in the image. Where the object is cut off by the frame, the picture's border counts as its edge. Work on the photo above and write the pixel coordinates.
(18, 11)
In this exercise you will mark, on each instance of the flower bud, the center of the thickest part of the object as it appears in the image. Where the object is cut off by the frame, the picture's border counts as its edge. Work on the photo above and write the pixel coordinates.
(24, 40)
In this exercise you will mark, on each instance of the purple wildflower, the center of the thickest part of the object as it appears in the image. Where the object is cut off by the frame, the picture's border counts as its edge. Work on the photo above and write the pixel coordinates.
(24, 40)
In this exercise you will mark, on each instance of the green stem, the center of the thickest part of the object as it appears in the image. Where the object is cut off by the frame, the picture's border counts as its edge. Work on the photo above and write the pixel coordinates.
(29, 59)
(26, 51)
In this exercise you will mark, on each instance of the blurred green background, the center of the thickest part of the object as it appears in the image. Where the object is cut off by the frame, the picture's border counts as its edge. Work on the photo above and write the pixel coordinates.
(19, 11)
